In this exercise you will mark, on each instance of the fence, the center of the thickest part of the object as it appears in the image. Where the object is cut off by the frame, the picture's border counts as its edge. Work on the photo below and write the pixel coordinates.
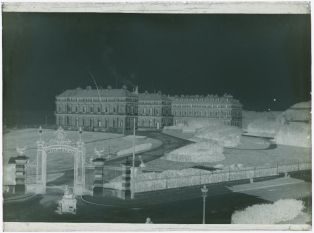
(30, 173)
(110, 176)
(208, 177)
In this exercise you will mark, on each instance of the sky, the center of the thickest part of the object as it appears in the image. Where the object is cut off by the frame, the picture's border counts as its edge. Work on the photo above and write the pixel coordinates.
(256, 58)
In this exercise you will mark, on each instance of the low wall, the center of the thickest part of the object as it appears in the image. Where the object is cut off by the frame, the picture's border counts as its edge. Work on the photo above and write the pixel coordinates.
(157, 182)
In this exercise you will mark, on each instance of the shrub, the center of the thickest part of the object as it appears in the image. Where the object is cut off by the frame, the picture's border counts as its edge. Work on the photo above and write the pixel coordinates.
(207, 151)
(279, 211)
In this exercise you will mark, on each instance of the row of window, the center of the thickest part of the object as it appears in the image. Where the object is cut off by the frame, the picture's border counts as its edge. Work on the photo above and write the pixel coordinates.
(153, 103)
(118, 109)
(152, 123)
(232, 123)
(102, 99)
(174, 106)
(94, 123)
(113, 123)
(154, 111)
(113, 110)
(97, 109)
(207, 113)
(206, 99)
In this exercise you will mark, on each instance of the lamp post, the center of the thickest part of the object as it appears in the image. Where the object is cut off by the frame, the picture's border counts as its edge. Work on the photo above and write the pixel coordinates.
(133, 145)
(40, 131)
(80, 133)
(133, 162)
(204, 195)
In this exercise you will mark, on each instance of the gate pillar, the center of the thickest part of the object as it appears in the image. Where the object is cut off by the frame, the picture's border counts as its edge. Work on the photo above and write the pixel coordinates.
(98, 186)
(79, 169)
(125, 192)
(40, 168)
(20, 172)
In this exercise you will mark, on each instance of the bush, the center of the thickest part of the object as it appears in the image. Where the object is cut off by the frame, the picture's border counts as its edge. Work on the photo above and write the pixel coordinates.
(264, 126)
(298, 112)
(280, 211)
(207, 151)
(294, 134)
(226, 136)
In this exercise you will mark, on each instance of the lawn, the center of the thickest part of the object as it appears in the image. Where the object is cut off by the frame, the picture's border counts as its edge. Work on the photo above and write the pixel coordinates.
(251, 152)
(109, 142)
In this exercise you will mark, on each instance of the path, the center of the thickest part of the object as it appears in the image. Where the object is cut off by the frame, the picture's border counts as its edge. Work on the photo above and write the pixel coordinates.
(169, 143)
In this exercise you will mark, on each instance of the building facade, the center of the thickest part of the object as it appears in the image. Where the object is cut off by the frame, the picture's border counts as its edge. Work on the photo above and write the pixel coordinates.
(154, 110)
(97, 110)
(116, 110)
(225, 108)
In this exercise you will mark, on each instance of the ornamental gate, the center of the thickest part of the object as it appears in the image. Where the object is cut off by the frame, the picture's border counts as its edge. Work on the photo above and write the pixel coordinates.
(63, 144)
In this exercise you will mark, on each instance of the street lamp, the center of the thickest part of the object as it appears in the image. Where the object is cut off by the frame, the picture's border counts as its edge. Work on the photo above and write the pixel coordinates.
(204, 195)
(133, 162)
(80, 133)
(40, 132)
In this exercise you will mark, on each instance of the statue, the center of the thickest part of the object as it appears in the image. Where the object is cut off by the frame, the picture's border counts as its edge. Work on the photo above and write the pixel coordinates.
(142, 165)
(99, 153)
(21, 151)
(148, 221)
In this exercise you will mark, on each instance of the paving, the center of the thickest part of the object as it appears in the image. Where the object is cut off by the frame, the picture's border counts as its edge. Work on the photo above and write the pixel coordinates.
(273, 190)
(181, 206)
(270, 190)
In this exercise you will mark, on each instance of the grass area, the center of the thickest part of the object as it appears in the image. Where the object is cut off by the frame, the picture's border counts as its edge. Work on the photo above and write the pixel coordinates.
(251, 152)
(281, 154)
(110, 143)
(254, 151)
(178, 133)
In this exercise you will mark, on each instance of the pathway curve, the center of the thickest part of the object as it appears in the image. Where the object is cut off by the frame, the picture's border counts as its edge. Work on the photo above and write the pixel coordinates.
(169, 143)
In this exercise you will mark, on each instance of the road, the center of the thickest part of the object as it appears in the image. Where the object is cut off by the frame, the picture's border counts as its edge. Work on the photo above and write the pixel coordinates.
(219, 206)
(273, 190)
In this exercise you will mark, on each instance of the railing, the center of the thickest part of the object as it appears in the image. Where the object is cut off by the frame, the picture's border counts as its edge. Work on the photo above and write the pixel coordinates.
(207, 177)
(30, 171)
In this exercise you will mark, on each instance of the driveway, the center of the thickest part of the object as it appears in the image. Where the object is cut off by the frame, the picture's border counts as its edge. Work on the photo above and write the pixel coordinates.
(169, 143)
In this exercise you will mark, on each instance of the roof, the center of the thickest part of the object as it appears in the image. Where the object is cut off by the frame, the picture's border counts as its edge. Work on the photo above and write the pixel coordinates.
(302, 105)
(152, 96)
(12, 160)
(88, 92)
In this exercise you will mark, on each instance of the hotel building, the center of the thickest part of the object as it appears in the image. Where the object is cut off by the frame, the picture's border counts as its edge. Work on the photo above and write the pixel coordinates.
(116, 110)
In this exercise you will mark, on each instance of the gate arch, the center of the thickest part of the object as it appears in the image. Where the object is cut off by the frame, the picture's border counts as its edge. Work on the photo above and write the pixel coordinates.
(63, 144)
